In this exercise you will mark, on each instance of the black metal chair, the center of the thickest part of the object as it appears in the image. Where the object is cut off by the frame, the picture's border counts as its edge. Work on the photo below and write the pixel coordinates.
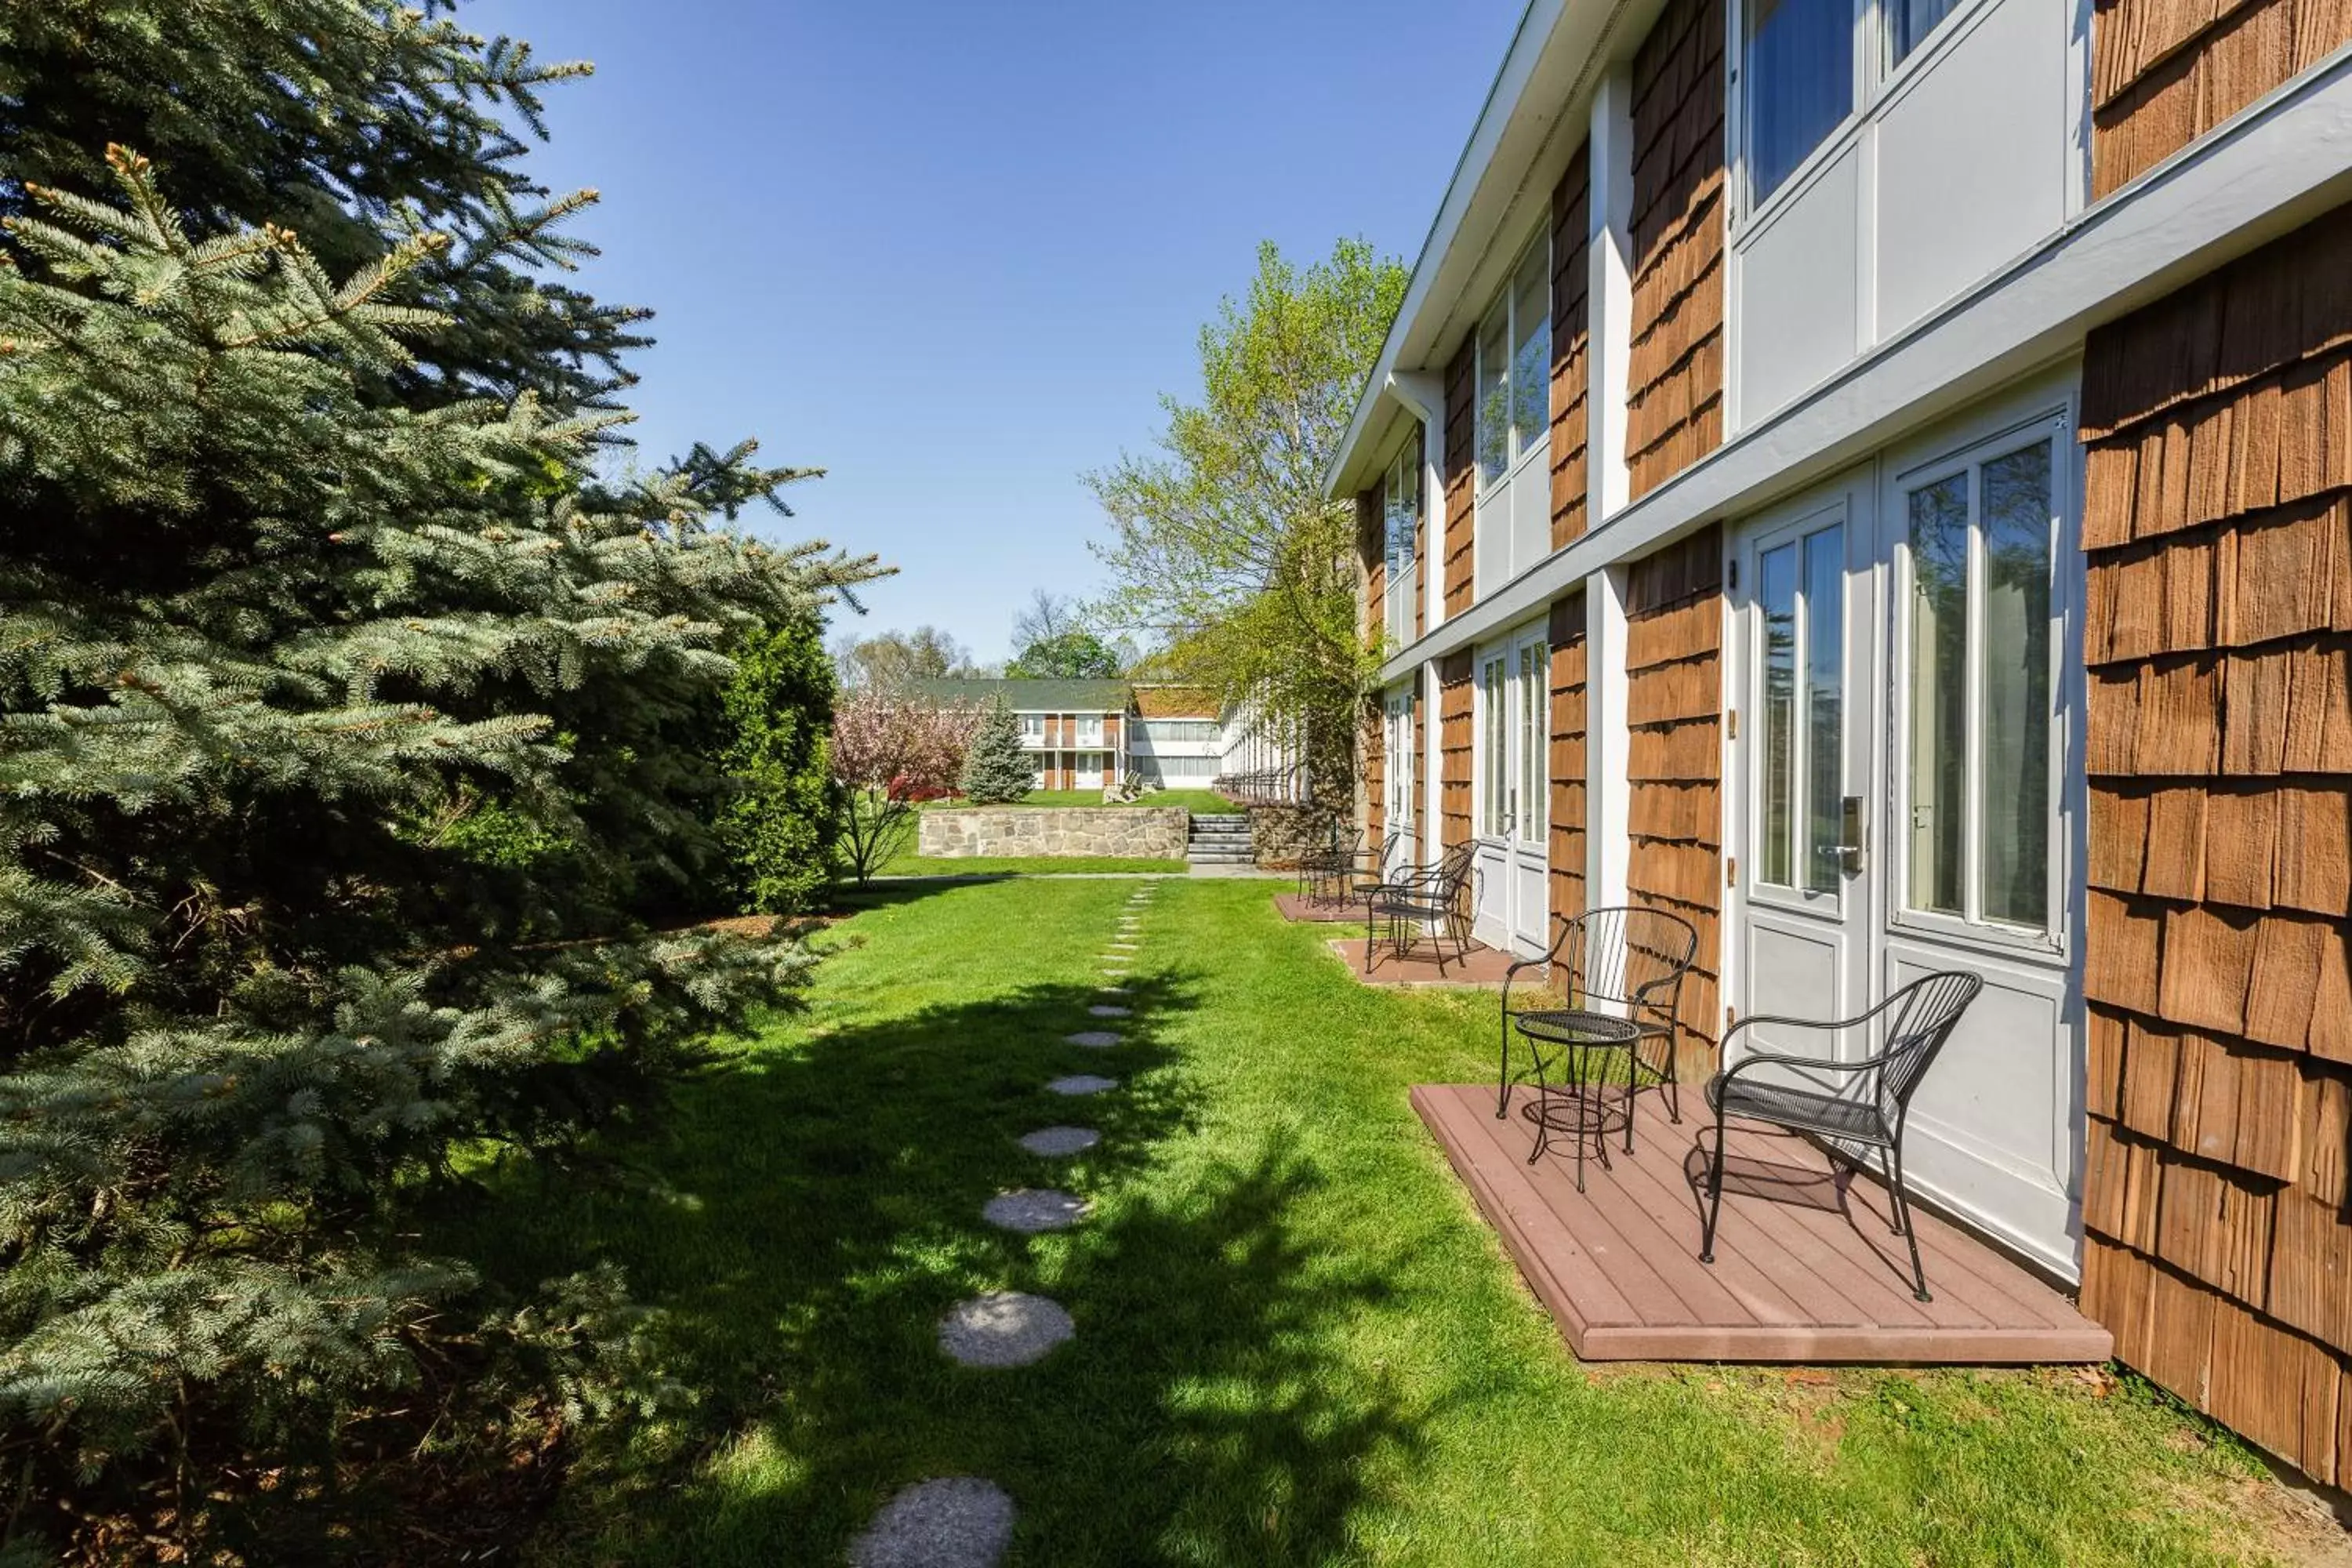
(1371, 866)
(1622, 970)
(1869, 1110)
(1334, 860)
(1429, 896)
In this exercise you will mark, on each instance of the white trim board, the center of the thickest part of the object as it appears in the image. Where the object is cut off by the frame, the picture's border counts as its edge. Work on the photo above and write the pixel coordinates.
(2278, 164)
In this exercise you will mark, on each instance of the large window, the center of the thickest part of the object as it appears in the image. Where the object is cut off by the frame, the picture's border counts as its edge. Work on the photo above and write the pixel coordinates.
(1033, 727)
(1800, 589)
(1173, 731)
(1090, 730)
(1799, 83)
(1400, 509)
(1981, 539)
(1514, 369)
(1798, 72)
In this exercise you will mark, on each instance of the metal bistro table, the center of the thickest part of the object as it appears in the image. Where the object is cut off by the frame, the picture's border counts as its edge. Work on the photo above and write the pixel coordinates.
(1580, 1106)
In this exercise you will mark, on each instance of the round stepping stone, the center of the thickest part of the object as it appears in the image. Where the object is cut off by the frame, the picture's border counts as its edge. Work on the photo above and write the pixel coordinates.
(1098, 1039)
(1056, 1141)
(1105, 1010)
(1081, 1083)
(1004, 1329)
(956, 1522)
(1032, 1209)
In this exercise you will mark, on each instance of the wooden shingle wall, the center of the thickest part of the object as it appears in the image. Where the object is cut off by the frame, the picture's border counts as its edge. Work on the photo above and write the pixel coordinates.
(1455, 736)
(1372, 558)
(1572, 357)
(1461, 481)
(1567, 760)
(1421, 845)
(2166, 72)
(2218, 523)
(1673, 713)
(1374, 742)
(1675, 374)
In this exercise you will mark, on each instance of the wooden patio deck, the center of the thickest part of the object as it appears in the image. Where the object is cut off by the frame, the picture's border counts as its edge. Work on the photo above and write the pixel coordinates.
(1482, 968)
(1802, 1271)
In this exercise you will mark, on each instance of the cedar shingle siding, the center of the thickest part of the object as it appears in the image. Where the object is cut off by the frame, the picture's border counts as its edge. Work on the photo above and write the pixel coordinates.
(1454, 704)
(2166, 72)
(1674, 708)
(1461, 481)
(1568, 730)
(1675, 376)
(1571, 360)
(2219, 634)
(1371, 554)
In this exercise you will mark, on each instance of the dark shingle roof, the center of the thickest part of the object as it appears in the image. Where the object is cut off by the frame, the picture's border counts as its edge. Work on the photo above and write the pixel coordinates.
(1035, 695)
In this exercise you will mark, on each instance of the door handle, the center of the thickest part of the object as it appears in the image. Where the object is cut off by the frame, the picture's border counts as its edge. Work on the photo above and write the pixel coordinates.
(1850, 830)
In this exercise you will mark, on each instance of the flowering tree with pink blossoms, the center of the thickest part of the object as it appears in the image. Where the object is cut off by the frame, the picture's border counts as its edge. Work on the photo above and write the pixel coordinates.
(890, 750)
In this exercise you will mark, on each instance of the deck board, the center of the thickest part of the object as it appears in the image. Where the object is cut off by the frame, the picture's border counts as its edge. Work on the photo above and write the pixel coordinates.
(1804, 1271)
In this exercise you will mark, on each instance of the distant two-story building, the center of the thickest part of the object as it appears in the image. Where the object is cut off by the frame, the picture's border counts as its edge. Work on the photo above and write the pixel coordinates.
(1872, 480)
(1094, 734)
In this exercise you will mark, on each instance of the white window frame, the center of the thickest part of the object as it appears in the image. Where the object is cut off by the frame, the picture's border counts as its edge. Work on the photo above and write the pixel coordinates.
(2056, 426)
(1877, 77)
(1519, 446)
(1090, 732)
(1033, 727)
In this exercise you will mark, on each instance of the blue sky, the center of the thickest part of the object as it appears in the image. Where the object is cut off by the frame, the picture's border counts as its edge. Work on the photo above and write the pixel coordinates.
(954, 252)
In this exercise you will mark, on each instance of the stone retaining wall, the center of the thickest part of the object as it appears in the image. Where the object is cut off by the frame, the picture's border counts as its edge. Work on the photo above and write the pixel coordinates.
(1126, 832)
(1280, 834)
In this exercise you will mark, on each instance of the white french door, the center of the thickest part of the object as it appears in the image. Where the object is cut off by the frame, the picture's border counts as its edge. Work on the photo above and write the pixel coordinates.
(1515, 787)
(1808, 626)
(1903, 803)
(1397, 777)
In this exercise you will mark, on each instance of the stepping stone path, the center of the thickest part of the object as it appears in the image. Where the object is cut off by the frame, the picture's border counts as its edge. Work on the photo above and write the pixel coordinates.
(1030, 1210)
(1081, 1083)
(956, 1522)
(1096, 1040)
(1105, 1010)
(1005, 1328)
(1056, 1141)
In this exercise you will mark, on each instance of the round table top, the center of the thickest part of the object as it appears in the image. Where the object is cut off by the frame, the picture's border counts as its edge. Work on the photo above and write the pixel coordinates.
(1577, 1025)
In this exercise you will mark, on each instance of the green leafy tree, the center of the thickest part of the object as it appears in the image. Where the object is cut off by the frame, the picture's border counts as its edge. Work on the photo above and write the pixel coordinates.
(346, 753)
(1071, 656)
(1224, 553)
(996, 769)
(779, 821)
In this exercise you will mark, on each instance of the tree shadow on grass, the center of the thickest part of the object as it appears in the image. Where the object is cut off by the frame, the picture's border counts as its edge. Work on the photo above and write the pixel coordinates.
(811, 1212)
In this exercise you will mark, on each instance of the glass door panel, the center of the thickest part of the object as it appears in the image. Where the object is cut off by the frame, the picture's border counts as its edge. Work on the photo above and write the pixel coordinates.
(1800, 614)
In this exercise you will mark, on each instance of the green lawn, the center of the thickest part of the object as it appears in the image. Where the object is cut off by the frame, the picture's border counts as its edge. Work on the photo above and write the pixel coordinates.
(1296, 1344)
(1199, 802)
(911, 864)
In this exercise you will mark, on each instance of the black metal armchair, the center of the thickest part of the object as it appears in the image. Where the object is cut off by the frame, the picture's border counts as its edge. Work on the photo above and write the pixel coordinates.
(1431, 896)
(1869, 1110)
(1621, 970)
(1372, 866)
(1333, 860)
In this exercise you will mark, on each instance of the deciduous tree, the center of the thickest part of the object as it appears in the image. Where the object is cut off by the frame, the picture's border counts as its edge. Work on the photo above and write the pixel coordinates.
(890, 751)
(1225, 553)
